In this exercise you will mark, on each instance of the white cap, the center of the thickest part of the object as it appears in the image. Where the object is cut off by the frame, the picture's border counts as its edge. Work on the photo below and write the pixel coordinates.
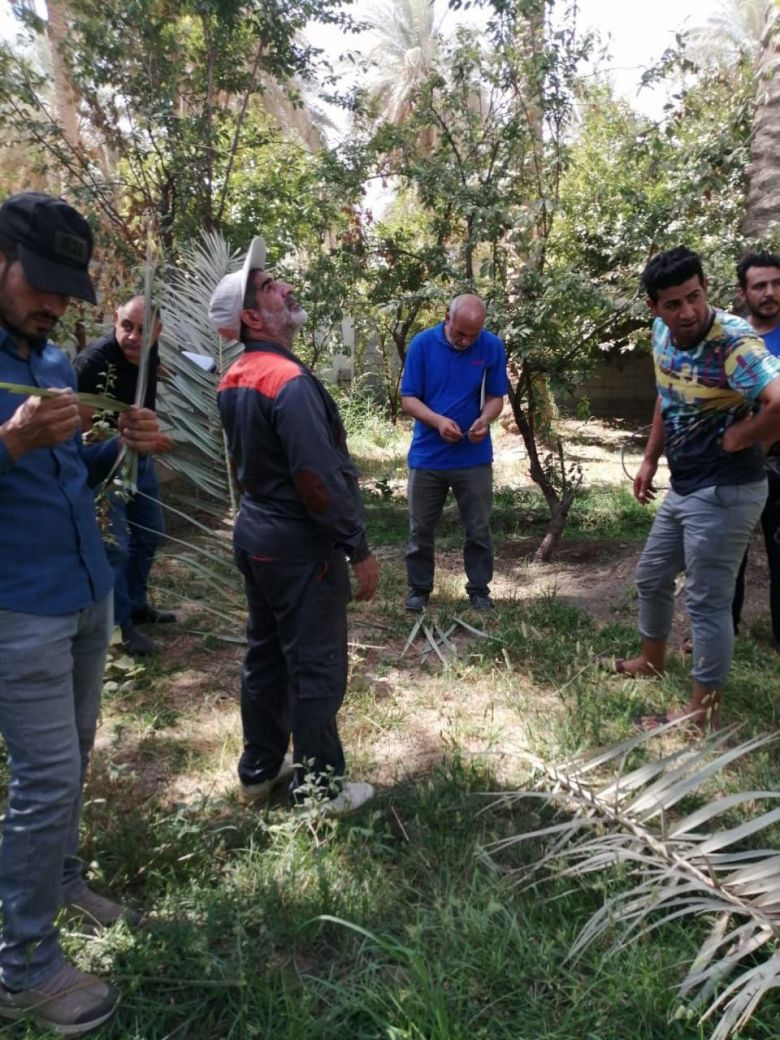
(227, 300)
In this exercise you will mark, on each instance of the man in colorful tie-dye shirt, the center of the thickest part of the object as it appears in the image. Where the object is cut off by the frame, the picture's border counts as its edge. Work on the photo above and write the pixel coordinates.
(718, 407)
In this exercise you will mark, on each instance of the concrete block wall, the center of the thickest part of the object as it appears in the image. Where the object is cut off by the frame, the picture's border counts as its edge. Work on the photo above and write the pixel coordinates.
(618, 388)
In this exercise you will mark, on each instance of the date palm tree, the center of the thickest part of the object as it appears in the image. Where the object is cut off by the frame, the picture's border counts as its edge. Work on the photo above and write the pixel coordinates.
(762, 208)
(733, 30)
(407, 44)
(751, 28)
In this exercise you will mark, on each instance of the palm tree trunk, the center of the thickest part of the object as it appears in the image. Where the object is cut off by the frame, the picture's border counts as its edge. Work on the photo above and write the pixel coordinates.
(763, 200)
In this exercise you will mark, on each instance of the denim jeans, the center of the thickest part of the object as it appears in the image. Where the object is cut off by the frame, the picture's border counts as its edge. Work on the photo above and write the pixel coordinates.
(135, 532)
(51, 675)
(705, 534)
(427, 493)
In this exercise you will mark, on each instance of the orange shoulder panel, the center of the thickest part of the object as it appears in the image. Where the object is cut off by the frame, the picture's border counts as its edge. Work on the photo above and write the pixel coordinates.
(266, 373)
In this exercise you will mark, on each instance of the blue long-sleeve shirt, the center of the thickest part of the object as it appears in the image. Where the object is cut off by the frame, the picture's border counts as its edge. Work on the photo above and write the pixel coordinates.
(52, 559)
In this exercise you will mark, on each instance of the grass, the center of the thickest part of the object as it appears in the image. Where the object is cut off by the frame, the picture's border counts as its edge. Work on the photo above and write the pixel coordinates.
(600, 513)
(387, 925)
(393, 924)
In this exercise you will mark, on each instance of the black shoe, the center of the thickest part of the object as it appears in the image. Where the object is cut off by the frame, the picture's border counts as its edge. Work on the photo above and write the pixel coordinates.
(481, 602)
(152, 616)
(416, 601)
(136, 643)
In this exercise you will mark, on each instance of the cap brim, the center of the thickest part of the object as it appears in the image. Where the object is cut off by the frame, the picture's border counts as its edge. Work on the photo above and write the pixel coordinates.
(255, 261)
(49, 276)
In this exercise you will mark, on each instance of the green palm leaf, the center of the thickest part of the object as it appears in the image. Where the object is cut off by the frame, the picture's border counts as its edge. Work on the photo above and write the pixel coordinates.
(98, 401)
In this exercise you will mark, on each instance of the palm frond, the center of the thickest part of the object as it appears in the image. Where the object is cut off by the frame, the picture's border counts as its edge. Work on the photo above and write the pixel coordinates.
(127, 458)
(188, 397)
(680, 866)
(98, 401)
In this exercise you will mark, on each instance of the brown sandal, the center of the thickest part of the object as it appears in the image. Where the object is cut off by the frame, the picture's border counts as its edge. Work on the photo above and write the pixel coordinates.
(613, 665)
(651, 722)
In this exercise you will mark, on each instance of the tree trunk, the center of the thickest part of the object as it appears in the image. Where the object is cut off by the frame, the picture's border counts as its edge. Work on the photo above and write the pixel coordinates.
(763, 200)
(64, 94)
(554, 532)
(559, 503)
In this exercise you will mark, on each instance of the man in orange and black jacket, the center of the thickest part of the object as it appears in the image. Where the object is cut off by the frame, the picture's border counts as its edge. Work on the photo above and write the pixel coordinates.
(301, 517)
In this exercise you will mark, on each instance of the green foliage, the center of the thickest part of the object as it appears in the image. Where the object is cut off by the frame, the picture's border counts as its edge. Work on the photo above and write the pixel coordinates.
(633, 186)
(170, 98)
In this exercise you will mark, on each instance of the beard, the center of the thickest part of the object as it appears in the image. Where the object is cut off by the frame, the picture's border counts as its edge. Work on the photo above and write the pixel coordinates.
(297, 316)
(36, 341)
(284, 324)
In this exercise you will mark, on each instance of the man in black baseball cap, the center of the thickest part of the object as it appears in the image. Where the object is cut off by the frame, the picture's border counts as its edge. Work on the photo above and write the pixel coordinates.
(54, 243)
(55, 617)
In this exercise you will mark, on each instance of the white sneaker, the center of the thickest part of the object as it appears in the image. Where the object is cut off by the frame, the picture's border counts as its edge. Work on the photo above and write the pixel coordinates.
(258, 794)
(351, 796)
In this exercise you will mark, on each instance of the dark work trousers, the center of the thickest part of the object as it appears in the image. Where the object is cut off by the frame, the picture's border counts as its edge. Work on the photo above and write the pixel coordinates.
(427, 493)
(295, 672)
(770, 523)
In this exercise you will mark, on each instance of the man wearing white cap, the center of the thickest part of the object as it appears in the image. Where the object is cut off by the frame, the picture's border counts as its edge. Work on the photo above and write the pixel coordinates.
(301, 516)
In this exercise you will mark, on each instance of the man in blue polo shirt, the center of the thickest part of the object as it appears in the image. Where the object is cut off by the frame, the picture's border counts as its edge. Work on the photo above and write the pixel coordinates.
(758, 275)
(453, 386)
(55, 616)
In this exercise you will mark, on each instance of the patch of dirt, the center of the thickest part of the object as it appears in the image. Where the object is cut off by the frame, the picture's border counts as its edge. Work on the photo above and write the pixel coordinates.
(400, 717)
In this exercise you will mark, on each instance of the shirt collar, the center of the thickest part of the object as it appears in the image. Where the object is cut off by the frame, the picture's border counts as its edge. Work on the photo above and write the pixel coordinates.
(10, 344)
(269, 346)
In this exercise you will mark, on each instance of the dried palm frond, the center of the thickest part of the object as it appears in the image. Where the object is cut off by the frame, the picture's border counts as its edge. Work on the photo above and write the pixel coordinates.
(683, 865)
(188, 395)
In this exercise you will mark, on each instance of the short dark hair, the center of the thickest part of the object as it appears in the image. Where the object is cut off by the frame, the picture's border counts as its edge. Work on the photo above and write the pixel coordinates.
(749, 260)
(672, 267)
(250, 301)
(9, 248)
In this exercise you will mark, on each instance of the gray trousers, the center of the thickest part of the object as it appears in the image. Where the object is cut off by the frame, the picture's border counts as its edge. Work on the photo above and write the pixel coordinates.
(705, 534)
(51, 677)
(427, 492)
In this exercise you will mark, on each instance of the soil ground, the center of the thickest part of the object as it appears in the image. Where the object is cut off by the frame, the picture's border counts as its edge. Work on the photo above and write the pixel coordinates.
(172, 729)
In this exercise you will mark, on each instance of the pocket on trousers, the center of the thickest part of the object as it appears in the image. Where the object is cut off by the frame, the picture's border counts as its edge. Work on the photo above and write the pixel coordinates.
(322, 672)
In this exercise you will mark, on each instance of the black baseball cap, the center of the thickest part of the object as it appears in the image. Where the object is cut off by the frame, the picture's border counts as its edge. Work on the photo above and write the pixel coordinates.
(54, 243)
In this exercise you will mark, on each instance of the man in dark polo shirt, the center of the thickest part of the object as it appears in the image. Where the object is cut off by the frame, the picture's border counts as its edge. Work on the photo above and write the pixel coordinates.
(110, 365)
(55, 615)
